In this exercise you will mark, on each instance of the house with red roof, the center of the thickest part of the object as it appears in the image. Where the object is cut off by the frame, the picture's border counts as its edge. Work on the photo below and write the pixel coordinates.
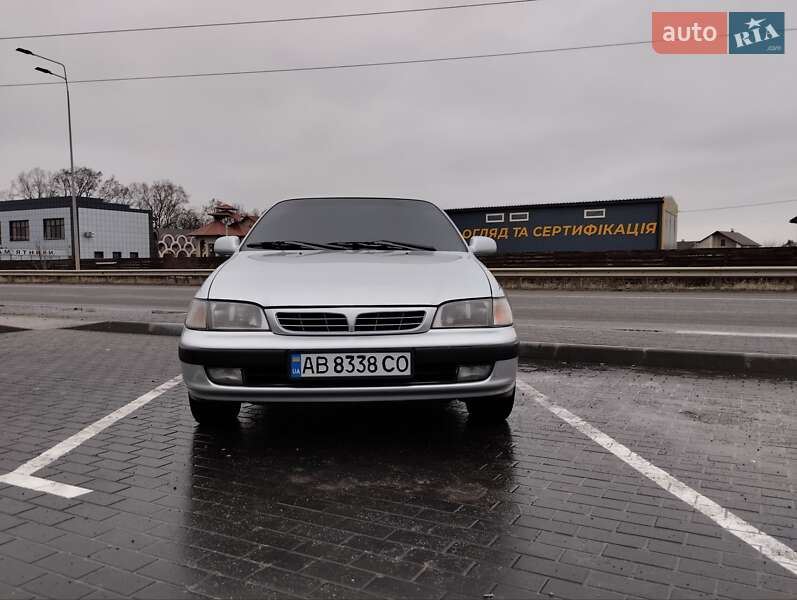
(227, 220)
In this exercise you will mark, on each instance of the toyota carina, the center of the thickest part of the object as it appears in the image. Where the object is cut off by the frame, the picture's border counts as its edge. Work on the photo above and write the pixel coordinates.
(350, 300)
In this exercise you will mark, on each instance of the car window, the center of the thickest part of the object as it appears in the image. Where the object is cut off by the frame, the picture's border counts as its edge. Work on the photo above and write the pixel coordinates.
(325, 220)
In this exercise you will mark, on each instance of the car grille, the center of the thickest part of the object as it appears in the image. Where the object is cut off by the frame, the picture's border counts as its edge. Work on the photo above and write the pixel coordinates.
(390, 321)
(312, 321)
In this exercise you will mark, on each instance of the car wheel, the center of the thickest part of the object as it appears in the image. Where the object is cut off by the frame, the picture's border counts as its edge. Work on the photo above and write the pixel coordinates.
(207, 412)
(491, 409)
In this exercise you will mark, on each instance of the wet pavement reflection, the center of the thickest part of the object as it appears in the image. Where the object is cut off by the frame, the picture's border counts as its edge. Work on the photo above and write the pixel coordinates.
(348, 493)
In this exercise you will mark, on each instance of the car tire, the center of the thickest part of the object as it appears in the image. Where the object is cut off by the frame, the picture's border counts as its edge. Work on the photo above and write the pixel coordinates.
(207, 412)
(491, 409)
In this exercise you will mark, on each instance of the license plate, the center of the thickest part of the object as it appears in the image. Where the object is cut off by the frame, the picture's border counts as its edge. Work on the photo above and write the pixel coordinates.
(356, 364)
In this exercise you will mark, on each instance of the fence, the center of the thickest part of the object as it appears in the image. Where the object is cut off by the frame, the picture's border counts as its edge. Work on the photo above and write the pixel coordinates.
(695, 257)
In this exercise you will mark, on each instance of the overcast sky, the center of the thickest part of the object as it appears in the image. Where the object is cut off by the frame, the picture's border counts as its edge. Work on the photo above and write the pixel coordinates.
(621, 122)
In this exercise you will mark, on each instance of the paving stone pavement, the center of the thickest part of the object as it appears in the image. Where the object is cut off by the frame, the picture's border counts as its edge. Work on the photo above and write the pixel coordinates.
(389, 501)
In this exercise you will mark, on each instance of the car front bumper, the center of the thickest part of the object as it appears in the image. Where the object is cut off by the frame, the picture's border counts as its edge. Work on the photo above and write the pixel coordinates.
(264, 359)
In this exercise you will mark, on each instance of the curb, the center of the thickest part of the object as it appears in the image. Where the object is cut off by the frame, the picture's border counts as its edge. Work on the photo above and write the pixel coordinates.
(173, 329)
(692, 360)
(9, 329)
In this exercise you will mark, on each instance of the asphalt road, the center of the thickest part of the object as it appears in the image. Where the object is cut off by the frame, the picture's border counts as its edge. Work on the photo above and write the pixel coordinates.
(749, 322)
(388, 501)
(726, 321)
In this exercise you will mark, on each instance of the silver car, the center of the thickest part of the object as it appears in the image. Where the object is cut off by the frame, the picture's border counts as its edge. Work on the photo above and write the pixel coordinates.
(349, 300)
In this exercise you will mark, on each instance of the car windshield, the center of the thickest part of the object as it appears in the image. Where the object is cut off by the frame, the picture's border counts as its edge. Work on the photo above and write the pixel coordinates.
(355, 224)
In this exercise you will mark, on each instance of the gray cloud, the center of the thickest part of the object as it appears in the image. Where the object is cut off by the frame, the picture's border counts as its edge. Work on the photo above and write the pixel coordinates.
(618, 122)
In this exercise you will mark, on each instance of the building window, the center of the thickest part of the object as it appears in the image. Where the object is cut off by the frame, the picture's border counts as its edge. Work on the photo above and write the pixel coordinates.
(494, 218)
(595, 213)
(53, 229)
(519, 216)
(20, 231)
(99, 254)
(722, 243)
(117, 255)
(134, 255)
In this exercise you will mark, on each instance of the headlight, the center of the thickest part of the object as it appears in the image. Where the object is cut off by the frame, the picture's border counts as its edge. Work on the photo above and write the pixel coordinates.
(217, 315)
(465, 313)
(481, 312)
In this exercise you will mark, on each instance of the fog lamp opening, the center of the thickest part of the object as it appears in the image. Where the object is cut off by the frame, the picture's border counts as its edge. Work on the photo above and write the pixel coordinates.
(225, 375)
(473, 372)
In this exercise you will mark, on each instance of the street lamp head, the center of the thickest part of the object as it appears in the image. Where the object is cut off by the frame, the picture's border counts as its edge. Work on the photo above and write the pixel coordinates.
(43, 70)
(24, 51)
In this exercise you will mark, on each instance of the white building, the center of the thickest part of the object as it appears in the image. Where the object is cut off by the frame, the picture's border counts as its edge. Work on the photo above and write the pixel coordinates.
(726, 239)
(31, 229)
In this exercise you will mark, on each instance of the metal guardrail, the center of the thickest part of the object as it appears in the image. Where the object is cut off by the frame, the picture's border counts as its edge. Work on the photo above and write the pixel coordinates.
(111, 276)
(777, 271)
(106, 272)
(772, 271)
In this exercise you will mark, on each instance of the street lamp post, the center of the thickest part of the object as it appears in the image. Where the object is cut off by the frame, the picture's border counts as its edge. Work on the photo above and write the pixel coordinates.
(65, 79)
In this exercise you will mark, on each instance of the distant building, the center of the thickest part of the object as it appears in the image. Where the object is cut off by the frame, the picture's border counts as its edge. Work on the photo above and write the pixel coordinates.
(686, 244)
(42, 229)
(634, 224)
(226, 221)
(726, 239)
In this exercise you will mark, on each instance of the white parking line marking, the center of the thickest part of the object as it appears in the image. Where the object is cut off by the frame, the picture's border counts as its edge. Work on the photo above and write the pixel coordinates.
(765, 544)
(751, 334)
(43, 485)
(22, 475)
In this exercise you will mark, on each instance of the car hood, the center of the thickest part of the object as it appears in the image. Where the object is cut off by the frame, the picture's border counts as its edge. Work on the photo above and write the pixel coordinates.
(324, 278)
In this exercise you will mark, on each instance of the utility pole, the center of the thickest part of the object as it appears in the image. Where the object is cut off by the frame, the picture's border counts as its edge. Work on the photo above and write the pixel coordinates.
(74, 216)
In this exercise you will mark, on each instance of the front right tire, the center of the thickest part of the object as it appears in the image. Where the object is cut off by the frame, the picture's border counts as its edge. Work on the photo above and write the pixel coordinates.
(207, 412)
(491, 409)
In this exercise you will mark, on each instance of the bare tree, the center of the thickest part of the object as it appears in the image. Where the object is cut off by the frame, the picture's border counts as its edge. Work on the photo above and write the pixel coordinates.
(111, 190)
(32, 185)
(165, 199)
(87, 182)
(189, 218)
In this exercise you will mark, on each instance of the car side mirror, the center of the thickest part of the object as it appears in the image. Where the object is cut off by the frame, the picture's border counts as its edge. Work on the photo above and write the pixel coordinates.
(226, 245)
(482, 246)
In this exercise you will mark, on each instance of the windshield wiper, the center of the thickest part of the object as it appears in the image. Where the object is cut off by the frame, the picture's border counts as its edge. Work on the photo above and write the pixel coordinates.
(407, 245)
(290, 245)
(382, 244)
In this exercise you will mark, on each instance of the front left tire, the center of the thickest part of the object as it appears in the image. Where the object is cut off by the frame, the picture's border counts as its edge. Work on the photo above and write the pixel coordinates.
(208, 412)
(491, 409)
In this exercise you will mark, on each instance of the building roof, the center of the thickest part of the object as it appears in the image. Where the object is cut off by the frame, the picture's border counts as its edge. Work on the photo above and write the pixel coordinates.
(686, 244)
(735, 236)
(794, 220)
(218, 229)
(65, 202)
(657, 199)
